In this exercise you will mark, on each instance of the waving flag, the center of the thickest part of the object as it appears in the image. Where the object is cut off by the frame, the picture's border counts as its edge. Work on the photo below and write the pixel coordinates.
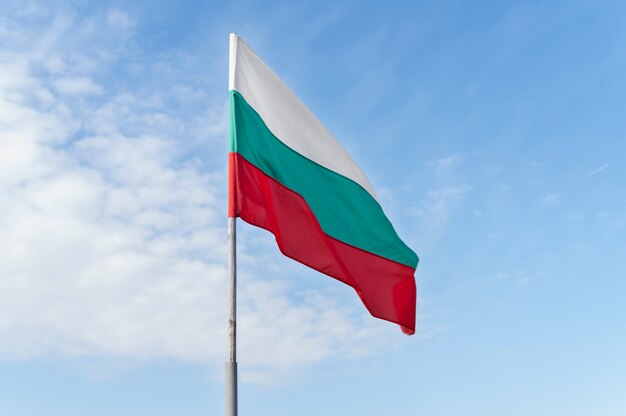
(288, 175)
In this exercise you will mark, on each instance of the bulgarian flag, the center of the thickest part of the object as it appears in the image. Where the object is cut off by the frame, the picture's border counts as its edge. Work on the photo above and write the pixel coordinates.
(288, 175)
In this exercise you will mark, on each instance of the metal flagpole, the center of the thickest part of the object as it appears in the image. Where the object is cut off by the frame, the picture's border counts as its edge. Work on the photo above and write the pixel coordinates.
(231, 364)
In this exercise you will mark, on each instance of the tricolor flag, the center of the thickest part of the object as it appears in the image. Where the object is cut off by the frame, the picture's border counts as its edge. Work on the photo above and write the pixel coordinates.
(288, 175)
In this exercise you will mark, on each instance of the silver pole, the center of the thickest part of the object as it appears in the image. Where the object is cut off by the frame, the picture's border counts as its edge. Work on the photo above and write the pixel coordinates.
(231, 364)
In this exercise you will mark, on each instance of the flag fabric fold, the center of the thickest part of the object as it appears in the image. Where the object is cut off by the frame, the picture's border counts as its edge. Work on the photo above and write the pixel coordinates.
(288, 175)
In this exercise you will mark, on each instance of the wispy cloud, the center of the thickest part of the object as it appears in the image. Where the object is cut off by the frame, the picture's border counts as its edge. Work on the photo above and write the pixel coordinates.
(120, 20)
(436, 209)
(77, 85)
(593, 172)
(554, 199)
(551, 200)
(447, 162)
(520, 278)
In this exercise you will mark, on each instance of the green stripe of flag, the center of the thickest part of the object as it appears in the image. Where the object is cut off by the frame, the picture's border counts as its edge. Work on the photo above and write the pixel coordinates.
(343, 208)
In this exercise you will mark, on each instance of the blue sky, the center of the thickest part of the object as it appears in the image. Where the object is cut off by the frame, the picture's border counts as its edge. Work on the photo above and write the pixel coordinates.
(494, 133)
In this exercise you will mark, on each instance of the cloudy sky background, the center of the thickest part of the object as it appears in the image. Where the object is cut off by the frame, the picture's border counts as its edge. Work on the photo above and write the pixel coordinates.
(494, 135)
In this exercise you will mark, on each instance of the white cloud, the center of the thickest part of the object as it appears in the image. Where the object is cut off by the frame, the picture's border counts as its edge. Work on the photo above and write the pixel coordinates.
(593, 172)
(78, 85)
(113, 231)
(120, 20)
(520, 278)
(436, 209)
(100, 249)
(447, 162)
(551, 200)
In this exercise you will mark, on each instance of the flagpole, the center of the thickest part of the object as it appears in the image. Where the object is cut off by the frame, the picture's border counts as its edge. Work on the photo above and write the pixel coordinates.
(231, 364)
